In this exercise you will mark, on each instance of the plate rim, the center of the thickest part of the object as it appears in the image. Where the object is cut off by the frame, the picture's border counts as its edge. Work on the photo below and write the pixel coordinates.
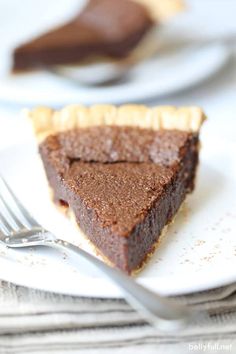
(9, 94)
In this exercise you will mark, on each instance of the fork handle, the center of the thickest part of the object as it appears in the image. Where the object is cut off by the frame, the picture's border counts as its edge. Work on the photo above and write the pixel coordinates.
(163, 313)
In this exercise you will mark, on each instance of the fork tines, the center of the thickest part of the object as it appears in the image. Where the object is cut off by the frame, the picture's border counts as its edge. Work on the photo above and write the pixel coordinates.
(13, 215)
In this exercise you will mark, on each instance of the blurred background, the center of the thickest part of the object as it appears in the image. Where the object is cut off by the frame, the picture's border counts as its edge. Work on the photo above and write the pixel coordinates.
(193, 64)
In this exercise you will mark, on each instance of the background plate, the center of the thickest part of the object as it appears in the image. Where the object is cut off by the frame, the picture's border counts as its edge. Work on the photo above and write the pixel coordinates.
(198, 252)
(162, 75)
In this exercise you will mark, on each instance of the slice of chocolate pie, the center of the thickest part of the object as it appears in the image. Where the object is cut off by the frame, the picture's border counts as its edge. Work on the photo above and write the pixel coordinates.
(104, 29)
(123, 172)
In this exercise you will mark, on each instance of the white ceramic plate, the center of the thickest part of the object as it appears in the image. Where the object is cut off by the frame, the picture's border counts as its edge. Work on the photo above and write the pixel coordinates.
(198, 252)
(159, 76)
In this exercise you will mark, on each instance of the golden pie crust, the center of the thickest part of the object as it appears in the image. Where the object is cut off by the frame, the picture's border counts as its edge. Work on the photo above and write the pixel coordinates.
(162, 10)
(46, 121)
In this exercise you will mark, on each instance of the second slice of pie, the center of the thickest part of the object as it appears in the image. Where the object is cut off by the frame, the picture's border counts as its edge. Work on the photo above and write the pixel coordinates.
(123, 171)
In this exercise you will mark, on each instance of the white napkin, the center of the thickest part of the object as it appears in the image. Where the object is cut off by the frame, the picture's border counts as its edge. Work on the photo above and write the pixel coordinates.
(33, 321)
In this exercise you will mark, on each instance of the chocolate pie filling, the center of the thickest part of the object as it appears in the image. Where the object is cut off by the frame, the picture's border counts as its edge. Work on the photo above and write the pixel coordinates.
(124, 184)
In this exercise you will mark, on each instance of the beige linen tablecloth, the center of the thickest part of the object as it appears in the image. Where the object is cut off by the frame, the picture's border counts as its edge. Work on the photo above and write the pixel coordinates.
(33, 321)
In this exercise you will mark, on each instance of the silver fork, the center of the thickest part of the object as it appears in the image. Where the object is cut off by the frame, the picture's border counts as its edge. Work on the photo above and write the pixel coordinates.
(19, 229)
